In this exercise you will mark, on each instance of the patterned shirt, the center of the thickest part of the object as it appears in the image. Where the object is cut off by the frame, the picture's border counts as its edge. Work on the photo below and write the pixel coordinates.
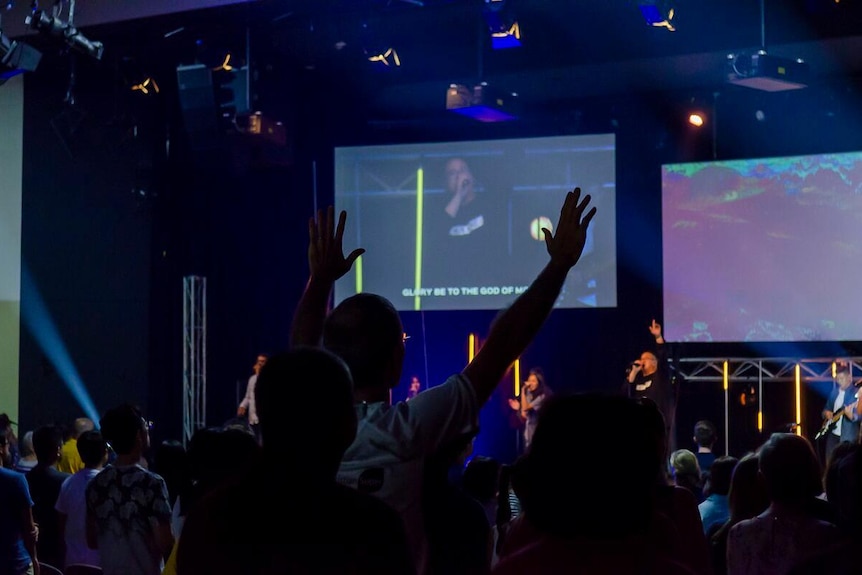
(128, 502)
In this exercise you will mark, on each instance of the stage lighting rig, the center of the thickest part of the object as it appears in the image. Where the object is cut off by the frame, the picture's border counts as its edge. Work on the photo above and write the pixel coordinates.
(16, 58)
(50, 25)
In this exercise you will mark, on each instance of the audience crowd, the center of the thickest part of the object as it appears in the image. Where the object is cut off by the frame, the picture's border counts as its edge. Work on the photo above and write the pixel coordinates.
(376, 487)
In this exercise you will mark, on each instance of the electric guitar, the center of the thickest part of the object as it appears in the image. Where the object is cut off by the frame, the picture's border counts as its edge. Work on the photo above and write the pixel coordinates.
(830, 422)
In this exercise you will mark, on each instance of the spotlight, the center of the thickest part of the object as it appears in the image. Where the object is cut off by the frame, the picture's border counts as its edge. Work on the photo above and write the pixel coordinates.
(658, 13)
(696, 119)
(54, 26)
(387, 58)
(16, 58)
(146, 87)
(502, 25)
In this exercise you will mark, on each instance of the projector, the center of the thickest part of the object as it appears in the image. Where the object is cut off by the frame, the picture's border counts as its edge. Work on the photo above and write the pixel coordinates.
(482, 103)
(762, 71)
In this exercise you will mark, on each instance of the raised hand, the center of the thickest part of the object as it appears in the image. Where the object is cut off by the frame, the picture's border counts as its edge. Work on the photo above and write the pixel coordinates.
(325, 252)
(567, 244)
(655, 329)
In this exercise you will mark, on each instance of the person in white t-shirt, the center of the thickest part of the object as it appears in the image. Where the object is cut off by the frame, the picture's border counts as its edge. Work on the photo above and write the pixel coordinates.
(387, 457)
(71, 504)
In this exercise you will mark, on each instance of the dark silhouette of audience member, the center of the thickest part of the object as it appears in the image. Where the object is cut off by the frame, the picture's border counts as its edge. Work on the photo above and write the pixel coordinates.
(455, 522)
(714, 510)
(72, 502)
(844, 493)
(747, 498)
(705, 436)
(128, 512)
(649, 377)
(288, 514)
(18, 535)
(216, 456)
(788, 530)
(45, 482)
(588, 521)
(676, 527)
(365, 330)
(533, 394)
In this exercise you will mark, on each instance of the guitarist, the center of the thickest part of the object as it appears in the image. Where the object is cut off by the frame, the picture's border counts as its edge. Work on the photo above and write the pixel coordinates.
(839, 412)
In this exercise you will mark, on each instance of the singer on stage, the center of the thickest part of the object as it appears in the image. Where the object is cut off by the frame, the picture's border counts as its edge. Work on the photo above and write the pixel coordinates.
(649, 377)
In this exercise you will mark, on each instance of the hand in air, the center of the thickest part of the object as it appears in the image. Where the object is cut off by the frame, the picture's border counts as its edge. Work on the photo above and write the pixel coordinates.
(655, 329)
(325, 252)
(566, 245)
(514, 404)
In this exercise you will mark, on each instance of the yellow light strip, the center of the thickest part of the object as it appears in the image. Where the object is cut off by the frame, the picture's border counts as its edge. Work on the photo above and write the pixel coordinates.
(798, 401)
(358, 266)
(417, 280)
(517, 377)
(759, 421)
(725, 377)
(471, 346)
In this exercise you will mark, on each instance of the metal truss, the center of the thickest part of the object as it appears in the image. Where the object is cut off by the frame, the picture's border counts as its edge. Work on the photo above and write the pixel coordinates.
(194, 355)
(765, 369)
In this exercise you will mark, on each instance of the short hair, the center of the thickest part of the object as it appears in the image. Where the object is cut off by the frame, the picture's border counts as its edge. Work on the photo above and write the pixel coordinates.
(364, 330)
(83, 424)
(684, 462)
(26, 445)
(719, 475)
(481, 477)
(47, 441)
(705, 433)
(92, 447)
(120, 427)
(790, 468)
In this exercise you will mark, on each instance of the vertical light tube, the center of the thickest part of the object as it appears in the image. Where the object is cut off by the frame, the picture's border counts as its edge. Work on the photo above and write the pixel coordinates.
(417, 282)
(725, 370)
(760, 397)
(471, 346)
(517, 377)
(798, 400)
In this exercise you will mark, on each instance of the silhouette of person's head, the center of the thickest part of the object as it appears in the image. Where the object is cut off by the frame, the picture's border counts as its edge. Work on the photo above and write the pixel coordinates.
(704, 434)
(327, 431)
(564, 493)
(790, 469)
(366, 332)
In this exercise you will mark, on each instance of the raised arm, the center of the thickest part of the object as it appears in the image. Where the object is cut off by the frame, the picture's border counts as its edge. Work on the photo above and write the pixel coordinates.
(516, 326)
(326, 263)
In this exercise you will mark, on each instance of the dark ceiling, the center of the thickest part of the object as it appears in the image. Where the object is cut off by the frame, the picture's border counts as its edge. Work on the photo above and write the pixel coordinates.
(571, 49)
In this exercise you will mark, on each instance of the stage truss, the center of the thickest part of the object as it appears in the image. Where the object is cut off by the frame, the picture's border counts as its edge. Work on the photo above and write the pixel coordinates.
(194, 355)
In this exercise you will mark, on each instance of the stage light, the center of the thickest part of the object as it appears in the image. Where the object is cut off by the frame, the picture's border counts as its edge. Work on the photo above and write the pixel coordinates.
(502, 25)
(388, 58)
(696, 119)
(54, 26)
(16, 58)
(146, 87)
(658, 13)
